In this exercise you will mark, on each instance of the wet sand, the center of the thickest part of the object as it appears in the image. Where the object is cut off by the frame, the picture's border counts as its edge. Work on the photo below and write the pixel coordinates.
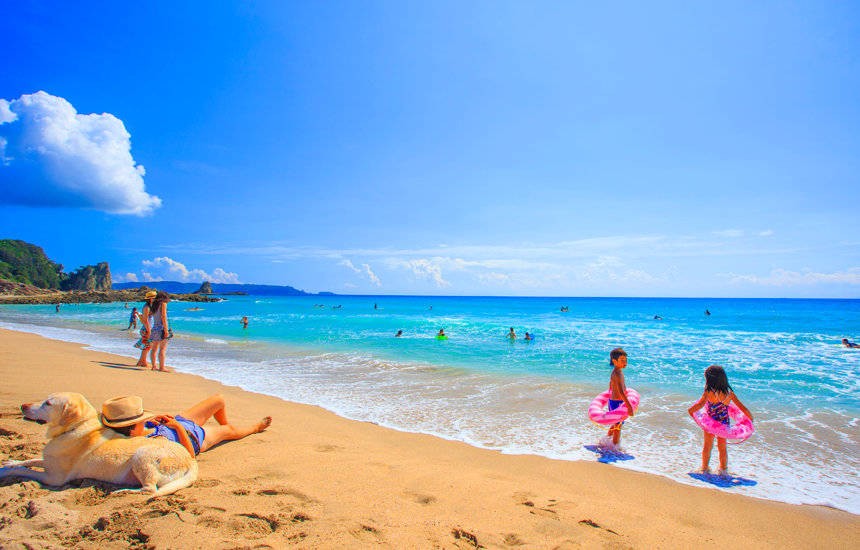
(315, 480)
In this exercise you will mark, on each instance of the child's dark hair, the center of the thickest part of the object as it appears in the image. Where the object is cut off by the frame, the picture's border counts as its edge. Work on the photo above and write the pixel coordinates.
(616, 354)
(716, 380)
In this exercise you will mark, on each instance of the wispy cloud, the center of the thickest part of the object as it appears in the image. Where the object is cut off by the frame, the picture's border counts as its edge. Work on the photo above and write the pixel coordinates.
(365, 269)
(781, 277)
(765, 233)
(422, 269)
(729, 233)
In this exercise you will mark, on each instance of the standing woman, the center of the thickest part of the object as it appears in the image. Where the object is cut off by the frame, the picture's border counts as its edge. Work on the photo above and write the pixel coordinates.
(145, 342)
(158, 328)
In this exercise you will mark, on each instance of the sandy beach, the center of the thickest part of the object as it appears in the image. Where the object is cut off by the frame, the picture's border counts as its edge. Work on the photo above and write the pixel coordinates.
(315, 480)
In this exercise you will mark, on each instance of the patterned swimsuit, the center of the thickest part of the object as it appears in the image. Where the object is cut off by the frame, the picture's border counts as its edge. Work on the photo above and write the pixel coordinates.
(719, 411)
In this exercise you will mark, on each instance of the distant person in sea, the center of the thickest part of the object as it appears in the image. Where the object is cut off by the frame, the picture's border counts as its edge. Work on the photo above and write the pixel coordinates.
(707, 312)
(718, 395)
(441, 333)
(512, 335)
(848, 344)
(527, 336)
(374, 306)
(158, 329)
(658, 317)
(431, 307)
(58, 308)
(127, 416)
(399, 334)
(145, 342)
(244, 322)
(618, 390)
(132, 320)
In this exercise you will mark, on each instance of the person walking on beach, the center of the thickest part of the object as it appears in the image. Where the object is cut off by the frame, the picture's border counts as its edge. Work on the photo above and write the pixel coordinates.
(132, 321)
(618, 390)
(158, 329)
(718, 395)
(244, 322)
(126, 415)
(512, 335)
(145, 343)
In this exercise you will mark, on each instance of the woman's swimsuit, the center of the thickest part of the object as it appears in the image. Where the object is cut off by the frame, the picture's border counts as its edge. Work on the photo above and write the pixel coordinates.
(157, 329)
(195, 432)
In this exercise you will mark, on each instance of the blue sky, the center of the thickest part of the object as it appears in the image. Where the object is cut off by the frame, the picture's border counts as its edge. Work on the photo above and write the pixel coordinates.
(485, 148)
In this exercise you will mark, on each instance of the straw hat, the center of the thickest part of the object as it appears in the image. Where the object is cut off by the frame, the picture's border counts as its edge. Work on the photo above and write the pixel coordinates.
(150, 294)
(124, 411)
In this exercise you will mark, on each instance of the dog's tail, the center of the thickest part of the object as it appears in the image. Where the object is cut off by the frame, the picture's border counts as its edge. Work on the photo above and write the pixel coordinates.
(185, 481)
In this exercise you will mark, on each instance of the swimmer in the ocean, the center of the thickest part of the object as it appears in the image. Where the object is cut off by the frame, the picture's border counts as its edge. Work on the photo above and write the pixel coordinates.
(374, 306)
(441, 333)
(707, 312)
(527, 336)
(512, 335)
(399, 334)
(244, 322)
(658, 317)
(848, 344)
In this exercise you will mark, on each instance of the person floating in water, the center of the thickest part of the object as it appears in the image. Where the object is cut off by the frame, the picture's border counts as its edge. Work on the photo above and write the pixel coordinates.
(126, 305)
(848, 344)
(441, 333)
(707, 312)
(244, 322)
(399, 334)
(512, 335)
(374, 306)
(58, 308)
(658, 317)
(528, 337)
(564, 308)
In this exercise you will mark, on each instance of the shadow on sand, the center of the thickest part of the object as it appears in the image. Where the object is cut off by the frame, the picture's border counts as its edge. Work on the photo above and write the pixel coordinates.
(724, 481)
(608, 456)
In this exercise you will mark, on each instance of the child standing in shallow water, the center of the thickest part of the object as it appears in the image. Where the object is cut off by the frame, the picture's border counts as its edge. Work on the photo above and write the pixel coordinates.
(718, 395)
(618, 390)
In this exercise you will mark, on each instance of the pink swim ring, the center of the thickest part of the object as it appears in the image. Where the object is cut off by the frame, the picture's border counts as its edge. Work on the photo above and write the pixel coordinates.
(735, 433)
(605, 419)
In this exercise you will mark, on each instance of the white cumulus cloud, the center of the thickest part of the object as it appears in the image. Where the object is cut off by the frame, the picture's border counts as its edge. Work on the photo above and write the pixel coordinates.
(52, 156)
(364, 269)
(165, 269)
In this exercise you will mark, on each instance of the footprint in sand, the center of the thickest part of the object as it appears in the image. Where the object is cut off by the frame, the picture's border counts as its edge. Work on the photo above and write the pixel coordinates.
(420, 498)
(321, 448)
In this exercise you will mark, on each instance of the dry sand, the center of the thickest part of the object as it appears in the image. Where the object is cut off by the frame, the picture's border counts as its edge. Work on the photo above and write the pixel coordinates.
(314, 480)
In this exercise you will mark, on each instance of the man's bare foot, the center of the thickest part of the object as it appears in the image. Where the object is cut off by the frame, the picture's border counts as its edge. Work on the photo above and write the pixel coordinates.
(263, 424)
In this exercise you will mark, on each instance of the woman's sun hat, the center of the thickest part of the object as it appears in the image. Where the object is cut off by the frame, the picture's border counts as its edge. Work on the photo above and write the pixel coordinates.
(150, 294)
(124, 411)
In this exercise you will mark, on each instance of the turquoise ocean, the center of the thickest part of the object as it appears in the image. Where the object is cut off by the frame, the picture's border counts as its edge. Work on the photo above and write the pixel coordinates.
(531, 397)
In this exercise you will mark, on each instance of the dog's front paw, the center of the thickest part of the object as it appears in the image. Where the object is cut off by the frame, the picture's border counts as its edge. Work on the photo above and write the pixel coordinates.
(12, 463)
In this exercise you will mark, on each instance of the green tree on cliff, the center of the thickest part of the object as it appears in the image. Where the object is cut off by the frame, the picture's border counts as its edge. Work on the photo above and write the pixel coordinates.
(27, 263)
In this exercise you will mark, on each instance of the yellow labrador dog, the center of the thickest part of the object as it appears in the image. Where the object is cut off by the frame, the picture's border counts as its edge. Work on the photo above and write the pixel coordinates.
(80, 447)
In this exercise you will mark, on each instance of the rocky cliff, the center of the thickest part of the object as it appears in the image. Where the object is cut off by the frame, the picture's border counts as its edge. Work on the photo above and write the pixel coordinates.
(205, 288)
(90, 277)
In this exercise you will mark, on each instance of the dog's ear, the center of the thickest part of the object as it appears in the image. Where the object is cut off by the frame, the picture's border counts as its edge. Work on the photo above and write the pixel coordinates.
(71, 412)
